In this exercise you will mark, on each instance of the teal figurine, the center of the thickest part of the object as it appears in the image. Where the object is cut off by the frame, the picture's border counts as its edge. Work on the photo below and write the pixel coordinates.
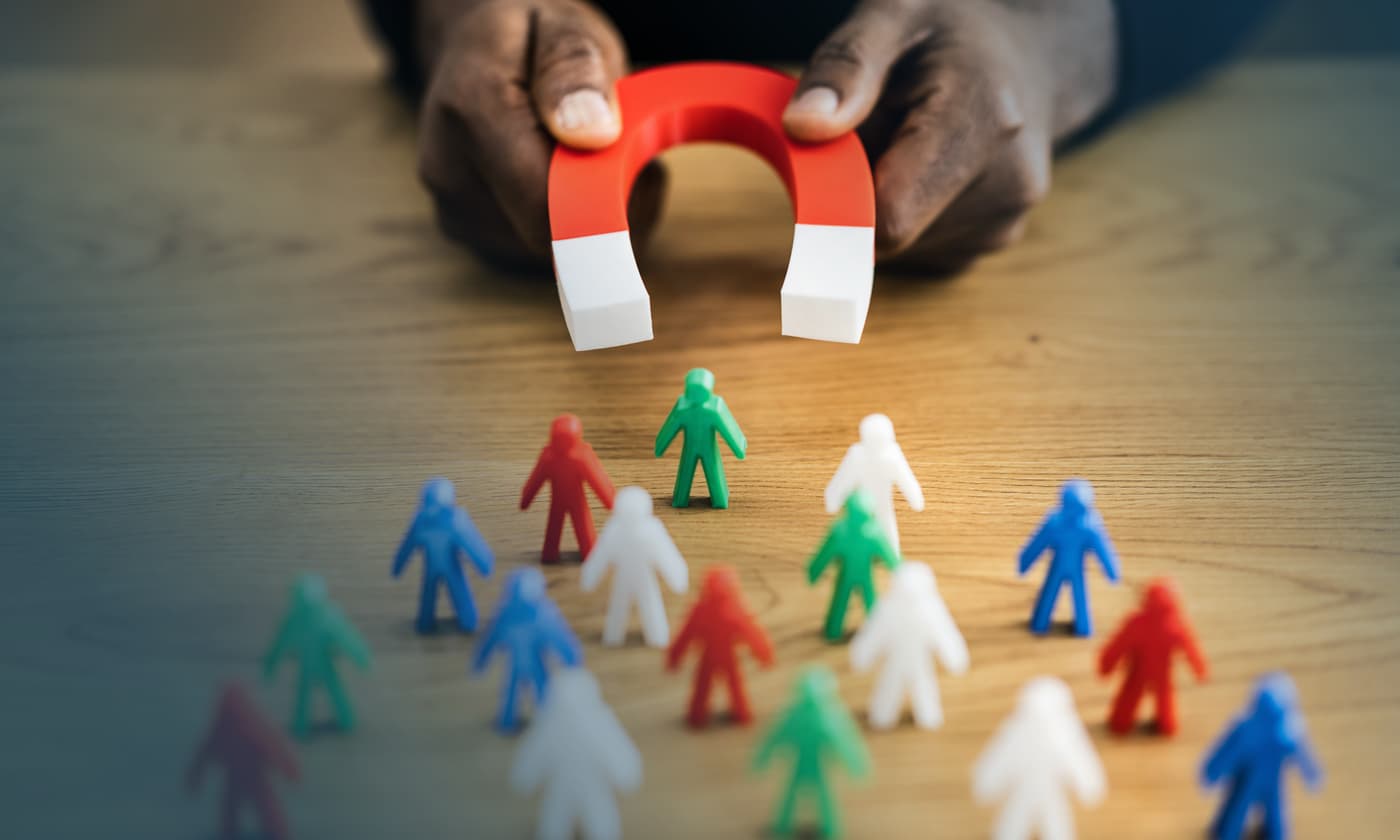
(315, 632)
(701, 414)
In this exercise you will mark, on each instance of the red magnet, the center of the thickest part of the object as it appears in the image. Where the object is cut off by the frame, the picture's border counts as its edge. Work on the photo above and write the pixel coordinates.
(826, 292)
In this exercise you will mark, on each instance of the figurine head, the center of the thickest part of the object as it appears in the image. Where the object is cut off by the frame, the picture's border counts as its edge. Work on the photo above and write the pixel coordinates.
(699, 385)
(913, 580)
(876, 430)
(524, 586)
(816, 686)
(565, 431)
(1161, 598)
(1077, 496)
(439, 493)
(1046, 699)
(721, 585)
(632, 502)
(859, 506)
(308, 591)
(1276, 698)
(235, 704)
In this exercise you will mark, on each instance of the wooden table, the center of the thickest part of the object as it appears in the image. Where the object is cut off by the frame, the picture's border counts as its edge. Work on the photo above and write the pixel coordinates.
(234, 346)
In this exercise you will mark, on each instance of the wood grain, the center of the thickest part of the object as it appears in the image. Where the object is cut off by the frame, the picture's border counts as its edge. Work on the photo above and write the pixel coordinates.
(234, 345)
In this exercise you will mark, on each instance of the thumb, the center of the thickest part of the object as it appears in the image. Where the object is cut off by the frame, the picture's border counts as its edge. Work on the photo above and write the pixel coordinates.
(843, 80)
(577, 58)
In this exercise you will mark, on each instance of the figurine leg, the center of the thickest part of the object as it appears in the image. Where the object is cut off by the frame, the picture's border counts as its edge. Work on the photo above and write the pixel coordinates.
(1124, 713)
(556, 817)
(699, 714)
(582, 520)
(836, 613)
(619, 607)
(1045, 606)
(685, 476)
(553, 531)
(1055, 820)
(830, 816)
(928, 706)
(1014, 821)
(1275, 823)
(600, 818)
(884, 514)
(274, 821)
(714, 479)
(885, 699)
(782, 826)
(1229, 821)
(652, 610)
(1166, 708)
(738, 701)
(427, 605)
(1083, 619)
(228, 812)
(340, 701)
(462, 602)
(301, 708)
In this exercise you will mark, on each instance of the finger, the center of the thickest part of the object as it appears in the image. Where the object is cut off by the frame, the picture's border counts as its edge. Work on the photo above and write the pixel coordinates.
(943, 144)
(577, 58)
(844, 78)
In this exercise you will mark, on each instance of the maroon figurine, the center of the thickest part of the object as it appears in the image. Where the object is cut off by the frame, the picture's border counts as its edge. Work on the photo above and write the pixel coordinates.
(567, 463)
(1147, 641)
(250, 749)
(719, 623)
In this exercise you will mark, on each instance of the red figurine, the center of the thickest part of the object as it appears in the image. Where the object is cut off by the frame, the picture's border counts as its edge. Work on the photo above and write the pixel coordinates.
(718, 622)
(1148, 639)
(567, 463)
(250, 749)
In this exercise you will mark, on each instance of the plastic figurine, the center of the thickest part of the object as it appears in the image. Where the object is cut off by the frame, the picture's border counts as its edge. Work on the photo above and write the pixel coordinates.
(636, 543)
(1069, 532)
(1040, 750)
(580, 754)
(1147, 641)
(527, 628)
(250, 750)
(876, 465)
(315, 631)
(855, 541)
(718, 623)
(909, 627)
(567, 463)
(1251, 757)
(446, 535)
(814, 727)
(701, 414)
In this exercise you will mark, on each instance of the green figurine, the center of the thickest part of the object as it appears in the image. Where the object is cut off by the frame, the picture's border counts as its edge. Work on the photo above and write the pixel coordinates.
(855, 540)
(815, 725)
(702, 414)
(315, 631)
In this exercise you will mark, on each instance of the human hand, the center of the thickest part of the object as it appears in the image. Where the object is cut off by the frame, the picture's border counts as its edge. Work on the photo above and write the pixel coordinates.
(959, 104)
(509, 79)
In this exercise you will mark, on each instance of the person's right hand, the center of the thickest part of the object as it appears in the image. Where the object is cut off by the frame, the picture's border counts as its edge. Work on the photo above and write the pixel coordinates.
(509, 79)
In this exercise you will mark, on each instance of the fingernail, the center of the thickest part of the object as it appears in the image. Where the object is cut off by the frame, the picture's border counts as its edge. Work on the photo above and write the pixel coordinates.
(819, 101)
(1010, 117)
(583, 110)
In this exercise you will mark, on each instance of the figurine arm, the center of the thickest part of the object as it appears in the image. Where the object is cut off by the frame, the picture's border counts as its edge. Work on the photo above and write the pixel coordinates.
(730, 431)
(1117, 647)
(616, 752)
(757, 639)
(535, 481)
(1194, 654)
(1082, 764)
(531, 762)
(847, 744)
(1308, 767)
(884, 549)
(350, 641)
(947, 640)
(872, 638)
(194, 775)
(600, 559)
(597, 478)
(564, 642)
(406, 547)
(669, 430)
(843, 482)
(1103, 549)
(907, 483)
(487, 646)
(1224, 756)
(819, 561)
(991, 772)
(776, 737)
(471, 543)
(274, 747)
(669, 561)
(679, 645)
(1036, 546)
(274, 654)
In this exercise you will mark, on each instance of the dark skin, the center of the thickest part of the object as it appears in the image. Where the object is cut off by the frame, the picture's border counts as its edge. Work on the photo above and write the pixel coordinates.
(959, 103)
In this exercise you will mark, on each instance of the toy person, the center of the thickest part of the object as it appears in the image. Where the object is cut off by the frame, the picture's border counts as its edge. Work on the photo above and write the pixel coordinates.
(580, 754)
(909, 628)
(527, 628)
(855, 541)
(701, 414)
(447, 536)
(1250, 758)
(814, 727)
(876, 465)
(1146, 643)
(1069, 532)
(636, 544)
(1040, 750)
(567, 463)
(315, 632)
(250, 750)
(718, 624)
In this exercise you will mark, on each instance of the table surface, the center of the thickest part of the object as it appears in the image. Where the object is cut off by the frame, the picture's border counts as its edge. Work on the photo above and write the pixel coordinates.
(235, 345)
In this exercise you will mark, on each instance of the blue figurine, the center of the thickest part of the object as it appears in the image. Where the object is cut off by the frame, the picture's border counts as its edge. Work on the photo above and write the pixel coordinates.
(1069, 532)
(1251, 757)
(527, 626)
(445, 533)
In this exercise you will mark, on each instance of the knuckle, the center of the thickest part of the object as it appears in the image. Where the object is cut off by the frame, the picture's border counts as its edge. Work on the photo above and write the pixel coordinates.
(570, 58)
(843, 51)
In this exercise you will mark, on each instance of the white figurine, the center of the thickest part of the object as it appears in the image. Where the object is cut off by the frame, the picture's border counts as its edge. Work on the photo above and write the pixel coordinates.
(580, 754)
(909, 627)
(876, 465)
(1040, 750)
(636, 543)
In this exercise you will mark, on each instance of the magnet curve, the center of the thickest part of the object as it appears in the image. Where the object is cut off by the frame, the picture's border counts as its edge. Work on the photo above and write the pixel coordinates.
(826, 292)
